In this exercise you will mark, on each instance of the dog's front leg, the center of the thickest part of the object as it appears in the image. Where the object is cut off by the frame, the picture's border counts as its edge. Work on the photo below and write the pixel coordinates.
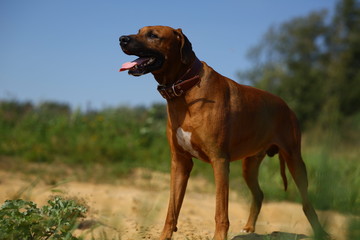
(221, 173)
(181, 166)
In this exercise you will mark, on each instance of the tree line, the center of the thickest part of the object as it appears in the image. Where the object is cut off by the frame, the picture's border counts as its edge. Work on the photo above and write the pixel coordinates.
(313, 63)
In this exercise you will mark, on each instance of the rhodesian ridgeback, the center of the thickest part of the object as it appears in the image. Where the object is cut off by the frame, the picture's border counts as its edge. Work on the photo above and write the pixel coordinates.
(216, 120)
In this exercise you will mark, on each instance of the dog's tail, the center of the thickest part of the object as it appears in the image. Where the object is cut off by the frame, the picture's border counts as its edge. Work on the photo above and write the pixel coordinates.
(283, 173)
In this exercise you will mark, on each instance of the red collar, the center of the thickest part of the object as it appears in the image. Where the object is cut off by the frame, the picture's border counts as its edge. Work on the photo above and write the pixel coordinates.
(185, 83)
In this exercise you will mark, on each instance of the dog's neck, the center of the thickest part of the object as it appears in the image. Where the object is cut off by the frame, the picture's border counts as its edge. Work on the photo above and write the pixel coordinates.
(192, 71)
(174, 70)
(182, 84)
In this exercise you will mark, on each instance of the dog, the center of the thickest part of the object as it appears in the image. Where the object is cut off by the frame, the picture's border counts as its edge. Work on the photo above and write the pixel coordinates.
(216, 120)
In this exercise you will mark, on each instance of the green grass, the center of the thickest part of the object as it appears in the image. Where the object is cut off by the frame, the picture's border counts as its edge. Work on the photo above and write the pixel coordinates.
(115, 141)
(128, 137)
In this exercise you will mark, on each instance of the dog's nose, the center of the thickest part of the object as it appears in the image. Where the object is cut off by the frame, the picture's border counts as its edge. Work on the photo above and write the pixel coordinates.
(124, 40)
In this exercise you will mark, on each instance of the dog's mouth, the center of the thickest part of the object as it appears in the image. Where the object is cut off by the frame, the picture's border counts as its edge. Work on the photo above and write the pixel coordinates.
(142, 65)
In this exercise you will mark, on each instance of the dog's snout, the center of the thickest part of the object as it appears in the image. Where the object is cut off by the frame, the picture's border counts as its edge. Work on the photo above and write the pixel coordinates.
(124, 40)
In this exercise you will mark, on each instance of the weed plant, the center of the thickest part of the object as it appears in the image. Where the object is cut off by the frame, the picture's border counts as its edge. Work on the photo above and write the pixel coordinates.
(20, 219)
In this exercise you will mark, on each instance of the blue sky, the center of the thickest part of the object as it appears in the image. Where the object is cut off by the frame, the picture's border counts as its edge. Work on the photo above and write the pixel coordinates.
(68, 50)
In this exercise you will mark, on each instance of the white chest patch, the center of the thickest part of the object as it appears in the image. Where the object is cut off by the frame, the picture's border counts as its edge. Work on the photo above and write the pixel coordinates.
(184, 140)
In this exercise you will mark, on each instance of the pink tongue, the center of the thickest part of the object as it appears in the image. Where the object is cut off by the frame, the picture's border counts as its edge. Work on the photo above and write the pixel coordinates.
(129, 65)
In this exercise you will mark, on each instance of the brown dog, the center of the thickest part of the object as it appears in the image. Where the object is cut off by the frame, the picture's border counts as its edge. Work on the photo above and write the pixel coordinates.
(212, 118)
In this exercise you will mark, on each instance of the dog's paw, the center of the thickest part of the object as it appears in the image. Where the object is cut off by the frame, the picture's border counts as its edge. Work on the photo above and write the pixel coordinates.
(248, 229)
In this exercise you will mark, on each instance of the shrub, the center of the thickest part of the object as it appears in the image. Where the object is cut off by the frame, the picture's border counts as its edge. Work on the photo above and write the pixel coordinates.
(20, 219)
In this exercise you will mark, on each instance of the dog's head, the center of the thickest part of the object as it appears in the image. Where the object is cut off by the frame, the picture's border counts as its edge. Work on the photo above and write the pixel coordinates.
(160, 50)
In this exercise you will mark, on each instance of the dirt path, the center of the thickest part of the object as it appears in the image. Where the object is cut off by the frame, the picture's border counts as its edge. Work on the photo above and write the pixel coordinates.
(135, 209)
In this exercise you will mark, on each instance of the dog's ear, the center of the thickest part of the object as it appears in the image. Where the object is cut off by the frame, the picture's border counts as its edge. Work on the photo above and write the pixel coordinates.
(185, 47)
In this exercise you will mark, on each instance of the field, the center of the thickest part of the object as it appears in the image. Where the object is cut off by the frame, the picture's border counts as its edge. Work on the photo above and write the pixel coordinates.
(117, 161)
(134, 208)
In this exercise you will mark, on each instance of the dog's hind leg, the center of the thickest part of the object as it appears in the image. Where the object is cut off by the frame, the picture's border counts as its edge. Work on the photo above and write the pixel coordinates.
(297, 169)
(250, 169)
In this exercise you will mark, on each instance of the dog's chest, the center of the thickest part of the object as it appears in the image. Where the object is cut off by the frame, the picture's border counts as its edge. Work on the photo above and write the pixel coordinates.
(184, 140)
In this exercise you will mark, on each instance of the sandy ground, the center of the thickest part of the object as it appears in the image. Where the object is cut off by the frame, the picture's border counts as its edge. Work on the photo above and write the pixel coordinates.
(135, 208)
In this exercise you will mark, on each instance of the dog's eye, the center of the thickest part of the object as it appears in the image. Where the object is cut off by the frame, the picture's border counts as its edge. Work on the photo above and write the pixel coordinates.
(153, 36)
